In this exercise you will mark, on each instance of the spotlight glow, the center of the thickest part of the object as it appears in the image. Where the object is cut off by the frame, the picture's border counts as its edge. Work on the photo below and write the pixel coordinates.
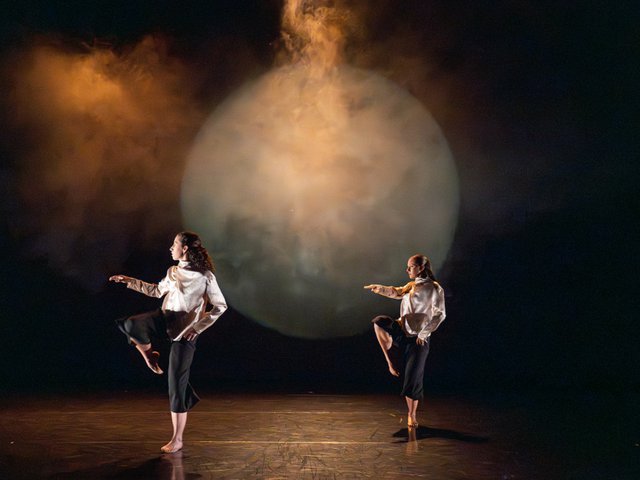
(308, 186)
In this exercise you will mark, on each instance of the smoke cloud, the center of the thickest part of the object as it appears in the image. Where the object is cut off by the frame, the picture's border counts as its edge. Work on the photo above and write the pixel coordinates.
(108, 134)
(315, 179)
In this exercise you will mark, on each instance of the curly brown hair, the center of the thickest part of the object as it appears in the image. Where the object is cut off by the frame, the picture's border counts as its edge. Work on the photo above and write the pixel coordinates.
(197, 256)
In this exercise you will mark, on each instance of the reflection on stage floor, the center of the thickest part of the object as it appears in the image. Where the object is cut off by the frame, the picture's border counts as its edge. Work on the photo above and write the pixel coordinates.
(311, 436)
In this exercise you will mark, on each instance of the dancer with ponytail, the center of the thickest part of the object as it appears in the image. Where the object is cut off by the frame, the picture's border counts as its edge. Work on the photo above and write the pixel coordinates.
(421, 312)
(187, 290)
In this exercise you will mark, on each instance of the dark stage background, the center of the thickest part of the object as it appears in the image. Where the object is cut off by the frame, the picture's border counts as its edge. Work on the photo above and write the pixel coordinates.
(539, 107)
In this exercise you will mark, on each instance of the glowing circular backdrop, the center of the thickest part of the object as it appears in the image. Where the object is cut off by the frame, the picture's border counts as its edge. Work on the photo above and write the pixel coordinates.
(306, 187)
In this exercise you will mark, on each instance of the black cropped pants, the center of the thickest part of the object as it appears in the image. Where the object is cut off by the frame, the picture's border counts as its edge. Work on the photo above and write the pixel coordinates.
(414, 356)
(145, 327)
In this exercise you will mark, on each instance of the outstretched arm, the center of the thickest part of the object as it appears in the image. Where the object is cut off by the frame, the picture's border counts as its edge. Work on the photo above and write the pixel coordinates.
(385, 291)
(149, 289)
(120, 279)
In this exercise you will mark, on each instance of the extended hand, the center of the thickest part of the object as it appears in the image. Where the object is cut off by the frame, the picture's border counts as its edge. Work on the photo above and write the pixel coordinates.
(374, 287)
(420, 341)
(120, 279)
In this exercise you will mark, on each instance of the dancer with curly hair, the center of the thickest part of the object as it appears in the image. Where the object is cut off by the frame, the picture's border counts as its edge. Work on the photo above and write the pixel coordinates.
(187, 290)
(421, 313)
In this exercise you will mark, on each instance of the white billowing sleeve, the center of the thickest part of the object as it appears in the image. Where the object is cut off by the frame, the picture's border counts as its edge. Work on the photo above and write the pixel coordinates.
(437, 314)
(216, 299)
(165, 284)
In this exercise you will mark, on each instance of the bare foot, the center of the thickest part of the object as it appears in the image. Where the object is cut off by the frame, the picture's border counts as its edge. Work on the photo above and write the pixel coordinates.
(412, 422)
(393, 371)
(152, 361)
(172, 447)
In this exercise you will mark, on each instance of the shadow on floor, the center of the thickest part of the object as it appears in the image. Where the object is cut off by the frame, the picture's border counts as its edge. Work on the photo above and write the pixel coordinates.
(420, 433)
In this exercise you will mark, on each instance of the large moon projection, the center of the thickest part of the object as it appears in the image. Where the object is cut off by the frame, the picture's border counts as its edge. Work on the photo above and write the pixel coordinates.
(306, 187)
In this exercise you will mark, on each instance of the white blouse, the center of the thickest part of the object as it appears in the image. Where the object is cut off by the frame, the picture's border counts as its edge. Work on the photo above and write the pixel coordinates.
(422, 307)
(189, 292)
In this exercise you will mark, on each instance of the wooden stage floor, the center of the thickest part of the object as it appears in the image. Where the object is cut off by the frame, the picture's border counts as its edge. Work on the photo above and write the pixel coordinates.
(312, 436)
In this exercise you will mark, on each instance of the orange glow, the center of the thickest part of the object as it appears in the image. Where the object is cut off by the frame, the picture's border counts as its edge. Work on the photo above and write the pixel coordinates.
(109, 134)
